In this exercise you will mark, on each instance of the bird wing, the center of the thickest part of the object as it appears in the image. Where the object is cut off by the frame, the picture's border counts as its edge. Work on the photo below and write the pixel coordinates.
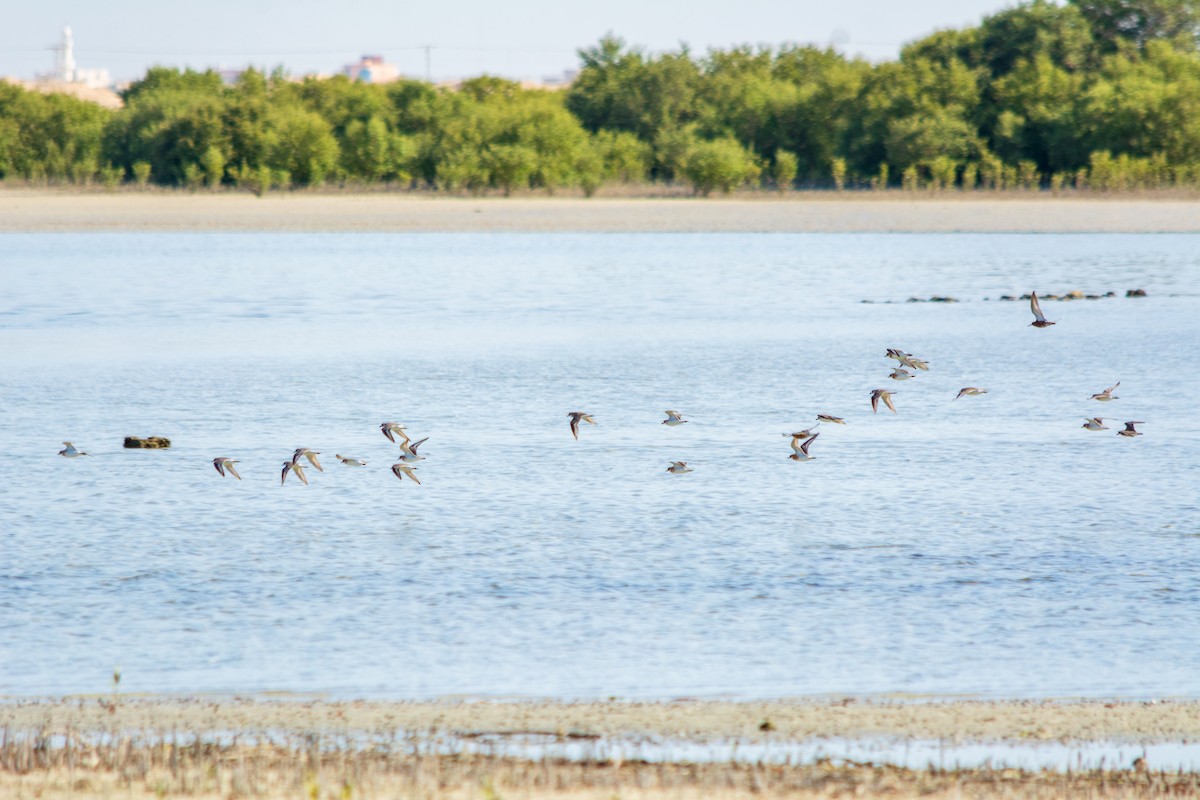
(232, 471)
(387, 431)
(887, 399)
(804, 447)
(299, 470)
(875, 402)
(313, 458)
(575, 426)
(220, 469)
(1036, 307)
(412, 448)
(283, 478)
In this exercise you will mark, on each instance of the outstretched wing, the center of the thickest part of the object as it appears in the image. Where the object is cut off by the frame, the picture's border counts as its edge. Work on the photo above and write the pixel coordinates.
(887, 399)
(217, 465)
(232, 471)
(804, 447)
(1036, 307)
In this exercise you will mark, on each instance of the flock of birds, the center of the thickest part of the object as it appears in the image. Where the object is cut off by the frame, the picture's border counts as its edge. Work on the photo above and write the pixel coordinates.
(801, 441)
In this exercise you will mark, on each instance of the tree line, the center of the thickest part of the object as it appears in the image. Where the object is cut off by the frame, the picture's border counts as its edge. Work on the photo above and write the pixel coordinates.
(1101, 94)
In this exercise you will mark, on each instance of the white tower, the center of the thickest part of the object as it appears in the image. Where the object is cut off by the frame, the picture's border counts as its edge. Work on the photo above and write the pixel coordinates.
(65, 68)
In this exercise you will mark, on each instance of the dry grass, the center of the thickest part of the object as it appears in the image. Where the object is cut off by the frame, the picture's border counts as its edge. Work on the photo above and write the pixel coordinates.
(300, 768)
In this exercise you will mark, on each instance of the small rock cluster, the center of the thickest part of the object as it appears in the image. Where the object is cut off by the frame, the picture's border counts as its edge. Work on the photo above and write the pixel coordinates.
(149, 443)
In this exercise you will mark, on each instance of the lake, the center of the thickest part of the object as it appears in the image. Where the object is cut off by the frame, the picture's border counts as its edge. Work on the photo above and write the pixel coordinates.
(985, 546)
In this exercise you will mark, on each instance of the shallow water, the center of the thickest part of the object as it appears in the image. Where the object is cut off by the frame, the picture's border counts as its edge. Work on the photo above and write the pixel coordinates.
(985, 546)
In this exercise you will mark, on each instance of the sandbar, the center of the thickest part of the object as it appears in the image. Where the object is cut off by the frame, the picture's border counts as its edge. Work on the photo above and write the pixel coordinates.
(24, 210)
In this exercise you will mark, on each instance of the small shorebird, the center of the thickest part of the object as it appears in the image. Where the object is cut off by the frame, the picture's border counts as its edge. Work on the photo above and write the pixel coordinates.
(70, 452)
(311, 455)
(885, 396)
(899, 374)
(1130, 430)
(576, 416)
(804, 434)
(408, 452)
(1095, 424)
(917, 363)
(402, 469)
(898, 355)
(1107, 394)
(348, 461)
(291, 466)
(1036, 307)
(673, 418)
(390, 429)
(829, 418)
(800, 452)
(679, 468)
(224, 465)
(970, 391)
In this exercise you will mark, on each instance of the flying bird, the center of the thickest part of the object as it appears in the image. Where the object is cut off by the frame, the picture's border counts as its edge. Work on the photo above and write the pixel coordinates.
(673, 418)
(885, 396)
(1107, 394)
(800, 452)
(70, 452)
(348, 461)
(970, 391)
(311, 455)
(830, 418)
(679, 468)
(1130, 430)
(576, 416)
(1036, 307)
(291, 466)
(408, 452)
(899, 374)
(402, 469)
(390, 429)
(224, 465)
(1095, 424)
(804, 434)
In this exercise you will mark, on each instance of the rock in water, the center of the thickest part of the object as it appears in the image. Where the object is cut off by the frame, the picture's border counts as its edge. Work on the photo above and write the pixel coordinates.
(150, 443)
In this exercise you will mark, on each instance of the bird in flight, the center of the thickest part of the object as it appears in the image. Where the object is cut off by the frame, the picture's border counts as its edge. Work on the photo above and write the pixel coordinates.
(391, 429)
(1130, 430)
(1095, 424)
(1036, 307)
(70, 452)
(408, 452)
(1107, 394)
(292, 466)
(830, 418)
(800, 451)
(348, 461)
(401, 469)
(673, 418)
(311, 455)
(970, 391)
(576, 416)
(679, 468)
(224, 465)
(885, 396)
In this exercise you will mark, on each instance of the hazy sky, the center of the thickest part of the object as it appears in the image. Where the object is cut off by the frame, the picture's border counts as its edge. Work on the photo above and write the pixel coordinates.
(514, 38)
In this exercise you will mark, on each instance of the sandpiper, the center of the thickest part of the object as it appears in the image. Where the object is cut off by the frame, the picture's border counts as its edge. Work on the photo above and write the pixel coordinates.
(901, 374)
(408, 452)
(389, 430)
(917, 363)
(291, 466)
(800, 452)
(348, 461)
(1036, 307)
(898, 355)
(1095, 424)
(576, 416)
(970, 391)
(70, 452)
(402, 469)
(830, 418)
(804, 434)
(679, 468)
(311, 455)
(1130, 430)
(673, 418)
(224, 465)
(885, 396)
(1107, 394)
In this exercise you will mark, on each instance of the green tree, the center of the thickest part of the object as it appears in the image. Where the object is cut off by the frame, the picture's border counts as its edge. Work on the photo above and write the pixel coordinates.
(720, 164)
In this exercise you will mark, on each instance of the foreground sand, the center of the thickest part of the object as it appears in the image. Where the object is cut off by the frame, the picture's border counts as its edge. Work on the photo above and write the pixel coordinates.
(28, 210)
(107, 747)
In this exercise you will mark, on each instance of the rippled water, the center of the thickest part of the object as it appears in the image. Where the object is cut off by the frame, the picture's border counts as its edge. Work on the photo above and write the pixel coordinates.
(987, 545)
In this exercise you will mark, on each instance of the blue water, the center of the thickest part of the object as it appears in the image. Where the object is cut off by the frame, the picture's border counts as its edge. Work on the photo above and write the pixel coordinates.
(985, 546)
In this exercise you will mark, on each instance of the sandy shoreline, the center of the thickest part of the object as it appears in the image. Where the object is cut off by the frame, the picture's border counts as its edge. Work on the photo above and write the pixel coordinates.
(692, 720)
(43, 211)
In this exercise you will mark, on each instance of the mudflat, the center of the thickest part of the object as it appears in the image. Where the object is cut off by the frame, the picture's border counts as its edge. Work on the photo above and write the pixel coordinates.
(32, 210)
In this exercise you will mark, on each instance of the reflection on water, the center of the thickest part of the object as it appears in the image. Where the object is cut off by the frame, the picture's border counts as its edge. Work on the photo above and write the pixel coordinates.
(987, 545)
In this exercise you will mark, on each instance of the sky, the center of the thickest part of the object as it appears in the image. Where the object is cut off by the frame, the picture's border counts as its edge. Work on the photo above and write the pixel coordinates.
(524, 39)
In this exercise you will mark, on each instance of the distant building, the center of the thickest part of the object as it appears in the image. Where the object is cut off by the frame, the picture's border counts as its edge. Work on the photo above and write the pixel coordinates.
(372, 69)
(66, 71)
